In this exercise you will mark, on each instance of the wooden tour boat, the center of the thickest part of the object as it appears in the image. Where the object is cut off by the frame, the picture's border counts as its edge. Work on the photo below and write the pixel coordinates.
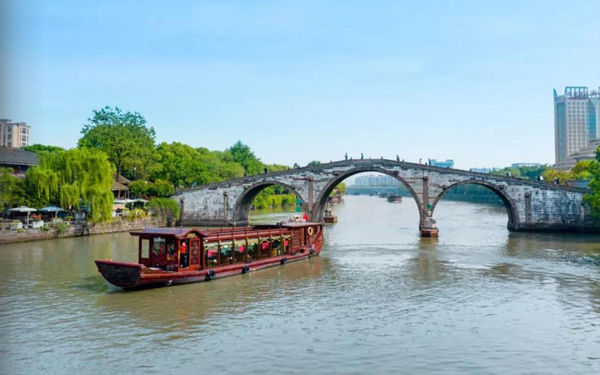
(169, 256)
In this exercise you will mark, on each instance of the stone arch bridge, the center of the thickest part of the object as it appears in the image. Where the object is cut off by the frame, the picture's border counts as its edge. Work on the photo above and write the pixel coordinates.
(531, 206)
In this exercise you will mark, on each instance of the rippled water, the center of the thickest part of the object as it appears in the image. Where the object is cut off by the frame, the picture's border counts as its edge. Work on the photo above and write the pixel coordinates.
(380, 299)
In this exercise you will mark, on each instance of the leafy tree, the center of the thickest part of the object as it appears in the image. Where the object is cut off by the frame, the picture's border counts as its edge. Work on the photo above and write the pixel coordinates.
(185, 166)
(13, 190)
(563, 176)
(243, 155)
(139, 188)
(161, 189)
(123, 136)
(277, 167)
(340, 188)
(313, 163)
(72, 177)
(38, 148)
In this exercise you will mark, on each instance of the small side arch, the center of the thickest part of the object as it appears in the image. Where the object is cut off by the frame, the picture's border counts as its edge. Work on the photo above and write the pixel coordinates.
(509, 204)
(244, 201)
(318, 211)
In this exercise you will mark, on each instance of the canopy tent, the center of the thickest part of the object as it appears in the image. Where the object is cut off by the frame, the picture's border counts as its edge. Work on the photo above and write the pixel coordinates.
(123, 201)
(22, 209)
(51, 209)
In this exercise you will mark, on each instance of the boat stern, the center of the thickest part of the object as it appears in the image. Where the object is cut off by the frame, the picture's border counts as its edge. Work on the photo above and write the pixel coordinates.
(124, 275)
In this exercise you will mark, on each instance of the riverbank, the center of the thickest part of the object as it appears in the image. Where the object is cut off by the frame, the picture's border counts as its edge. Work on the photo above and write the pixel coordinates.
(7, 237)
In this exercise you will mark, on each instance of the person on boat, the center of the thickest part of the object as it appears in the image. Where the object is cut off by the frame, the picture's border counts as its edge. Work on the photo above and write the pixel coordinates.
(305, 217)
(183, 252)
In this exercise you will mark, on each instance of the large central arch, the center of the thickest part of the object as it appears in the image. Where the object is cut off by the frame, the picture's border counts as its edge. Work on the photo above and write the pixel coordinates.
(513, 217)
(318, 210)
(243, 203)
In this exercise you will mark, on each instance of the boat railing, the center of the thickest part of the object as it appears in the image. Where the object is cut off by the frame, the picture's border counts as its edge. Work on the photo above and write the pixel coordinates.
(237, 234)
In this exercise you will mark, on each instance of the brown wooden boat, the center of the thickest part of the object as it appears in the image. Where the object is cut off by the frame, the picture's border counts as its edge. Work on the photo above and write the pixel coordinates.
(169, 256)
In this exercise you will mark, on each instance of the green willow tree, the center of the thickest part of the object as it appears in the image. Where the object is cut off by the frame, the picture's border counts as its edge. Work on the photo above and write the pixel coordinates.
(123, 136)
(74, 177)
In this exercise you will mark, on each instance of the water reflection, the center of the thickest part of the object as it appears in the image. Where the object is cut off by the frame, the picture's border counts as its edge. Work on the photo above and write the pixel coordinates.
(380, 299)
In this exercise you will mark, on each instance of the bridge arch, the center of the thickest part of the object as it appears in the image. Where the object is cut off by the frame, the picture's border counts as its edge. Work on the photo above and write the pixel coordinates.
(318, 210)
(509, 204)
(244, 201)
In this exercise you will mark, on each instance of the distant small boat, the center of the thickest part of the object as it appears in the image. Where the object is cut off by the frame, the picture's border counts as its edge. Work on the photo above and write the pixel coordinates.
(393, 198)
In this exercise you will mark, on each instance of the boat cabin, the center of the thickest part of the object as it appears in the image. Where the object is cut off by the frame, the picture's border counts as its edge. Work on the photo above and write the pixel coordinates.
(179, 249)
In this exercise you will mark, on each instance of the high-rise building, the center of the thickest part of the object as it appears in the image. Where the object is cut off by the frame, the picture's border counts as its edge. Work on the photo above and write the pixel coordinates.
(576, 120)
(14, 134)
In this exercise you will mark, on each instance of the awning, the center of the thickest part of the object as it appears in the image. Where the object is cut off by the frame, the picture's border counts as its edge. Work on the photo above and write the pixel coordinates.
(23, 209)
(51, 209)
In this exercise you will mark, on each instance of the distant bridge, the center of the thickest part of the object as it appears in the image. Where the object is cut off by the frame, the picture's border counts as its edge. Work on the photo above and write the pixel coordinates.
(531, 206)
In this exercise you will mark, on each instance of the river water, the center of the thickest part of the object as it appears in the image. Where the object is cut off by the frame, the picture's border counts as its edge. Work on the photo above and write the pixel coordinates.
(379, 299)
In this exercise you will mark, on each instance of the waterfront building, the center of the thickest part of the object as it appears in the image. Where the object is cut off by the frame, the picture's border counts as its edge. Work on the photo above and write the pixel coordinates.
(376, 180)
(13, 134)
(576, 120)
(524, 165)
(17, 159)
(448, 163)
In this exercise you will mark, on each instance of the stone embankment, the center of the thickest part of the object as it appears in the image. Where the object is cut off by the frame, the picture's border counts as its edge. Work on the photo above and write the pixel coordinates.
(78, 230)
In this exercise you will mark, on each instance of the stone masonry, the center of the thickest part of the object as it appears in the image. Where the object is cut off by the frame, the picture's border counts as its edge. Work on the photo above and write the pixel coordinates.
(531, 206)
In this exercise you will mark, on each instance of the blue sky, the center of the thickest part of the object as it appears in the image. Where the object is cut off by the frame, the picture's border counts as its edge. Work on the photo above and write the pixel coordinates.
(304, 80)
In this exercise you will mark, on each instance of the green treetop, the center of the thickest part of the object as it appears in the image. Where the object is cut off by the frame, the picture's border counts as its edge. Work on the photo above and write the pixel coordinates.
(243, 155)
(123, 136)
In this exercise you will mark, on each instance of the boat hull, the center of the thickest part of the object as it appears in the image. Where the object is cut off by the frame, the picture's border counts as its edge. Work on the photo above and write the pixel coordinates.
(131, 276)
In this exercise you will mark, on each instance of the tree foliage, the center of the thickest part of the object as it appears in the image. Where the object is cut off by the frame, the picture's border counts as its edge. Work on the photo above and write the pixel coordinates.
(313, 163)
(274, 196)
(185, 166)
(242, 154)
(73, 177)
(340, 188)
(161, 189)
(165, 208)
(39, 148)
(123, 136)
(593, 198)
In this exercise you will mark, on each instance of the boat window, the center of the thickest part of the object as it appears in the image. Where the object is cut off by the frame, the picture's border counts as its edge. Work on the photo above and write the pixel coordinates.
(171, 252)
(286, 246)
(265, 249)
(226, 254)
(158, 247)
(211, 254)
(145, 248)
(194, 249)
(253, 247)
(276, 248)
(240, 252)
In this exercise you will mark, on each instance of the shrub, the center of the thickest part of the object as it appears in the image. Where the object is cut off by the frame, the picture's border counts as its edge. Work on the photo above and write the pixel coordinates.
(136, 214)
(60, 227)
(20, 230)
(164, 208)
